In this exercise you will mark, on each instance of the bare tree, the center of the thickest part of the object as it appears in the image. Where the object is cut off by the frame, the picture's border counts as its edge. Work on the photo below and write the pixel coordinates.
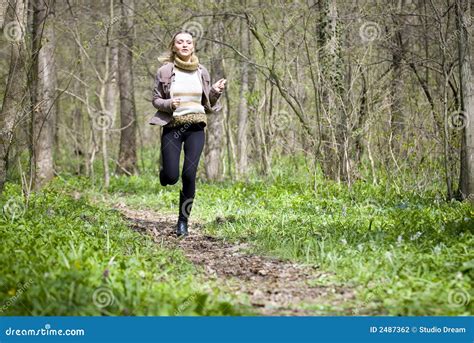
(215, 124)
(396, 83)
(45, 84)
(13, 100)
(466, 67)
(108, 92)
(334, 133)
(242, 144)
(127, 162)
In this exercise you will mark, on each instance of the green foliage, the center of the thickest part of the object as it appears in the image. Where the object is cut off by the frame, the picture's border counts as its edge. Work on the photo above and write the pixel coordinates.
(63, 256)
(406, 252)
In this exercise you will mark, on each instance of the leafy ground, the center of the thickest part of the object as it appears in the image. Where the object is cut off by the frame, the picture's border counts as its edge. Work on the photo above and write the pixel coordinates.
(64, 256)
(403, 252)
(360, 250)
(271, 286)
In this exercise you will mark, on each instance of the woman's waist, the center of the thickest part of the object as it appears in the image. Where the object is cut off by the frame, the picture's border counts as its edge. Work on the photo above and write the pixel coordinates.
(188, 119)
(189, 110)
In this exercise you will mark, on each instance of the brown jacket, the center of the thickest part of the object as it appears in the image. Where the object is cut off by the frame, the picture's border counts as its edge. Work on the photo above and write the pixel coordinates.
(161, 94)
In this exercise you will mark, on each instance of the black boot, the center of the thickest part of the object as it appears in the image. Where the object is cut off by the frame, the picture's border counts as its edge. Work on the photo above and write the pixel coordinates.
(182, 228)
(185, 206)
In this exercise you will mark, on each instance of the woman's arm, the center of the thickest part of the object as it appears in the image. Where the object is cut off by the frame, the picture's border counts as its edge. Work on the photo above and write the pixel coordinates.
(214, 96)
(159, 101)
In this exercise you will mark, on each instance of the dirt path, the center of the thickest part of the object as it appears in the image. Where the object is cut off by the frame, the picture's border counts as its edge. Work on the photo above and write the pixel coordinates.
(274, 287)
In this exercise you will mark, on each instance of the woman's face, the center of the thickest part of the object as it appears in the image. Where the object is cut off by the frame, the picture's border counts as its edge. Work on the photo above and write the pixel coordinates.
(183, 45)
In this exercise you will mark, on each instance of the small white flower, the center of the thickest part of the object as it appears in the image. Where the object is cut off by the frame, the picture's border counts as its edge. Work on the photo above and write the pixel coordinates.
(416, 236)
(399, 240)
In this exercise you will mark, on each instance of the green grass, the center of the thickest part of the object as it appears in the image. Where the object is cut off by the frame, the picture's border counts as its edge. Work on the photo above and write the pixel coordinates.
(65, 256)
(405, 252)
(403, 249)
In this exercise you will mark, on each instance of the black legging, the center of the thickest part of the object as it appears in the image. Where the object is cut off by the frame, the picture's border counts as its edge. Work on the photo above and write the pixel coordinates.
(192, 135)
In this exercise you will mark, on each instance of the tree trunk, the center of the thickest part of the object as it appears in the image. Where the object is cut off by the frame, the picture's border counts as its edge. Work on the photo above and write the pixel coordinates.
(396, 82)
(127, 162)
(3, 11)
(44, 112)
(466, 116)
(243, 105)
(108, 94)
(14, 91)
(215, 123)
(334, 135)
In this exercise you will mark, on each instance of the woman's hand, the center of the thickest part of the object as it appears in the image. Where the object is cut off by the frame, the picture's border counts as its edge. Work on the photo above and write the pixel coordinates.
(219, 85)
(175, 103)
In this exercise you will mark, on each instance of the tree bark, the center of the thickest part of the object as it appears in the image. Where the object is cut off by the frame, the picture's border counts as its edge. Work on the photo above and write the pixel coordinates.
(215, 121)
(396, 82)
(466, 116)
(334, 135)
(44, 112)
(242, 145)
(14, 92)
(108, 94)
(127, 162)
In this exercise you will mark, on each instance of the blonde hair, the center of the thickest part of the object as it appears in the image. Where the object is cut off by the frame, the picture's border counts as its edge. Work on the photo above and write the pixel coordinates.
(170, 54)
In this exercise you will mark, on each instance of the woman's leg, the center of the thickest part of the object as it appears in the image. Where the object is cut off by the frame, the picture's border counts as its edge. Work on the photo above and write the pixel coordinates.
(193, 144)
(171, 142)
